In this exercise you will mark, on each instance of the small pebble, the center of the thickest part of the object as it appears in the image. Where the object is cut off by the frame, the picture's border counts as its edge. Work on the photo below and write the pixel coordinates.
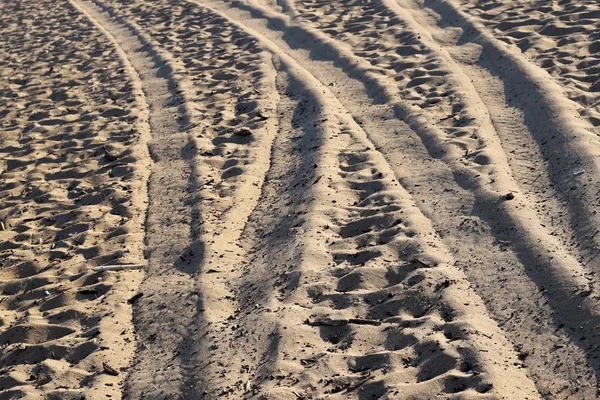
(262, 115)
(109, 370)
(243, 132)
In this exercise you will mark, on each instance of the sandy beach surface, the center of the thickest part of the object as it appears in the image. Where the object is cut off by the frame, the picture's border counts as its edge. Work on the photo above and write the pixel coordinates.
(342, 199)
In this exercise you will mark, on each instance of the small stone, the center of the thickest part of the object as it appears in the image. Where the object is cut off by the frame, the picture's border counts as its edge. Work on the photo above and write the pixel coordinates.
(243, 132)
(109, 370)
(509, 196)
(110, 154)
(262, 115)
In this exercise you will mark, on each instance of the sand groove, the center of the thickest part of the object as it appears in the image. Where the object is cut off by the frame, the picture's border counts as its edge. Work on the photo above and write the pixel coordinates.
(173, 154)
(218, 163)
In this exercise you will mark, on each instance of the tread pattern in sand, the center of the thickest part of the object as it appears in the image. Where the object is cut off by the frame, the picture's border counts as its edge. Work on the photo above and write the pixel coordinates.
(346, 247)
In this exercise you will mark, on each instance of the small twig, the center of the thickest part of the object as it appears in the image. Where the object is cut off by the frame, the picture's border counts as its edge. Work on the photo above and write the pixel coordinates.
(359, 383)
(342, 322)
(117, 267)
(190, 126)
(109, 370)
(486, 335)
(421, 263)
(538, 177)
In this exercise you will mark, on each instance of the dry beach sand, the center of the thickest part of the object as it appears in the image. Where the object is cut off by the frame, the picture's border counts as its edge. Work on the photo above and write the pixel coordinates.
(358, 199)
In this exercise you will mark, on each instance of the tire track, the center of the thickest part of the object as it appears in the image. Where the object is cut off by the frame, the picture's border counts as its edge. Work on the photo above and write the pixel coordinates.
(226, 163)
(558, 186)
(170, 222)
(477, 173)
(300, 285)
(527, 252)
(567, 145)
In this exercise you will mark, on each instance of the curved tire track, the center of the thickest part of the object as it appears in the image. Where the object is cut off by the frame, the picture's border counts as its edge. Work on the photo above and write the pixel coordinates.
(571, 309)
(160, 341)
(333, 109)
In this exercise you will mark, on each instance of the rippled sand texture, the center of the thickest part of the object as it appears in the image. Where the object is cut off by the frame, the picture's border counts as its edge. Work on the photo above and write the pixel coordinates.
(356, 199)
(561, 37)
(73, 165)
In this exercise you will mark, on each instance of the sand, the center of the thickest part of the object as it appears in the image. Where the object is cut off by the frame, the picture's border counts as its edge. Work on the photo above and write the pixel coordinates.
(389, 199)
